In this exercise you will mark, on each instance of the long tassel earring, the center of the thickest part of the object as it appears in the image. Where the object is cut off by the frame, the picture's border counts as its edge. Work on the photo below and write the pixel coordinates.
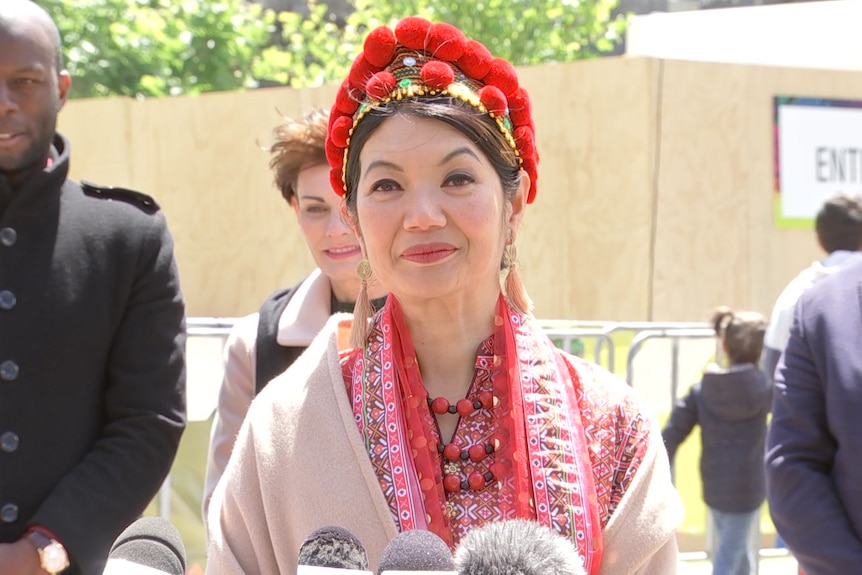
(515, 290)
(362, 309)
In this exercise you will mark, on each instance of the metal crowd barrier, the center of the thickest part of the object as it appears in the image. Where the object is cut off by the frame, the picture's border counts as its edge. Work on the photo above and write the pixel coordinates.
(196, 327)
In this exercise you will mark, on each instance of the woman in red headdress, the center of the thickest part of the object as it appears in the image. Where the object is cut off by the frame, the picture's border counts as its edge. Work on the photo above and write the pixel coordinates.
(450, 408)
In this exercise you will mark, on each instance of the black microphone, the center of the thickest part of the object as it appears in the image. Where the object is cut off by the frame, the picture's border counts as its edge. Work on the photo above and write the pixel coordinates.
(150, 545)
(517, 547)
(332, 549)
(414, 551)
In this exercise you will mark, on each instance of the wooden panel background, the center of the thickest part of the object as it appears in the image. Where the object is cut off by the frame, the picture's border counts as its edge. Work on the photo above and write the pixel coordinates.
(655, 189)
(715, 238)
(584, 249)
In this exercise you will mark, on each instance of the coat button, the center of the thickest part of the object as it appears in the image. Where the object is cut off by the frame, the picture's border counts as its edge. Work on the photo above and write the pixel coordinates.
(9, 441)
(7, 299)
(8, 370)
(9, 513)
(8, 237)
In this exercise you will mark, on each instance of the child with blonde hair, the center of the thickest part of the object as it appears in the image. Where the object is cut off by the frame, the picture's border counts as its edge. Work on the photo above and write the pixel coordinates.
(731, 405)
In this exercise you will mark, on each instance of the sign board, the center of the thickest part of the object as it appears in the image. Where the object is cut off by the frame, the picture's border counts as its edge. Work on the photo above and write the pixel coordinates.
(818, 153)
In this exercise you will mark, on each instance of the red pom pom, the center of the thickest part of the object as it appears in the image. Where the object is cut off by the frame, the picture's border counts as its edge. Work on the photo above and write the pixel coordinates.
(334, 154)
(412, 32)
(476, 61)
(494, 100)
(437, 74)
(340, 131)
(380, 85)
(529, 157)
(335, 182)
(379, 46)
(503, 75)
(334, 114)
(520, 109)
(360, 72)
(525, 139)
(345, 103)
(446, 42)
(529, 166)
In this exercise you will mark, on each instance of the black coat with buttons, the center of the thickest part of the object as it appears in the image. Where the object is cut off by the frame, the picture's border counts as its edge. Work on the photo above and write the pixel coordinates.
(92, 366)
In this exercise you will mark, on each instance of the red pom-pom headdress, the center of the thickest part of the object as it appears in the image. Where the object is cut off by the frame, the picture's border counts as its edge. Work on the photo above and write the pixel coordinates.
(417, 59)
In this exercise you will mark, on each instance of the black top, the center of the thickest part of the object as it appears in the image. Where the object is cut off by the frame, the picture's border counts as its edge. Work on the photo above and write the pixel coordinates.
(271, 358)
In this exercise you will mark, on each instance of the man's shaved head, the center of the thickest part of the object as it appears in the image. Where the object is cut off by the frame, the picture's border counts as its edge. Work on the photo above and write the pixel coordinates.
(33, 87)
(27, 15)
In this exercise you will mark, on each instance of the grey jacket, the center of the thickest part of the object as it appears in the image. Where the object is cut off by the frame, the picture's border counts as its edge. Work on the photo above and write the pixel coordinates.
(731, 408)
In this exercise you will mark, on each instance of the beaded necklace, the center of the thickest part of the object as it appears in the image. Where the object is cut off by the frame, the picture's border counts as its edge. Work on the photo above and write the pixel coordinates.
(452, 453)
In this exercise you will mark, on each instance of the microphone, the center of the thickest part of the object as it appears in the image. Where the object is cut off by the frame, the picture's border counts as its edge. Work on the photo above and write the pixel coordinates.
(149, 546)
(517, 547)
(414, 552)
(332, 549)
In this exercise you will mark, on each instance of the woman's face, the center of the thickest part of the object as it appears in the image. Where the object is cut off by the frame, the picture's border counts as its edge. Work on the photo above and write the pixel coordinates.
(431, 211)
(331, 241)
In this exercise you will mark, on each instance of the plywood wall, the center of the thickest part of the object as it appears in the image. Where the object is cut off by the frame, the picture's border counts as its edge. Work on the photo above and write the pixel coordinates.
(715, 238)
(585, 248)
(654, 196)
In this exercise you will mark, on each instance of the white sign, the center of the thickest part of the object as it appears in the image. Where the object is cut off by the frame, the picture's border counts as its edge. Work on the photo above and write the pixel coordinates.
(819, 154)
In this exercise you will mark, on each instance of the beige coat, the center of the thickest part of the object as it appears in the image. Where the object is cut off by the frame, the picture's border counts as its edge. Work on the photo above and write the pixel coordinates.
(300, 463)
(303, 317)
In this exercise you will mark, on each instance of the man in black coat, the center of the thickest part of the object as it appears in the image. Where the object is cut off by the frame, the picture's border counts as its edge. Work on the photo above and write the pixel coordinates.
(92, 366)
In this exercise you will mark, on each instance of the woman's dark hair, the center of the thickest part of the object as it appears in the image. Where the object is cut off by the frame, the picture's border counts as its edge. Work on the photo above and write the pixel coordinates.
(479, 128)
(839, 223)
(742, 333)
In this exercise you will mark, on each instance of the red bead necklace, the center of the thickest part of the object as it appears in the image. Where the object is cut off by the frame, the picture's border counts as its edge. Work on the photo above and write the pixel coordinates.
(476, 480)
(462, 407)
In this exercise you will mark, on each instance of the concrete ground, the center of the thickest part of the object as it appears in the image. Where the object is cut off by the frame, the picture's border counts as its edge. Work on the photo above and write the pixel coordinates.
(771, 565)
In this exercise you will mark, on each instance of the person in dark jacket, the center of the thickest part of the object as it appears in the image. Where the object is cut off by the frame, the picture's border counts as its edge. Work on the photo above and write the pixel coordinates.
(730, 405)
(92, 367)
(813, 468)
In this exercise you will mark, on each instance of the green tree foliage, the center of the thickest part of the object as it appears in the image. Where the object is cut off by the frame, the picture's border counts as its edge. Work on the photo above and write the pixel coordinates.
(144, 48)
(315, 49)
(525, 31)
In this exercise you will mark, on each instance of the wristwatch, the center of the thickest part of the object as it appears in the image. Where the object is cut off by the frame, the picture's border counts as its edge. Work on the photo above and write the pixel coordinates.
(52, 555)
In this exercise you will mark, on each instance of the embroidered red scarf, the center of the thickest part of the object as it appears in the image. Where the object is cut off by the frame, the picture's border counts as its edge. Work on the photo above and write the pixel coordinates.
(540, 439)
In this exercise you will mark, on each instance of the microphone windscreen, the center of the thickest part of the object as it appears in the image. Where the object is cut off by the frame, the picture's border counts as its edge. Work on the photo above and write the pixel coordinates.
(150, 542)
(517, 547)
(333, 546)
(416, 550)
(312, 570)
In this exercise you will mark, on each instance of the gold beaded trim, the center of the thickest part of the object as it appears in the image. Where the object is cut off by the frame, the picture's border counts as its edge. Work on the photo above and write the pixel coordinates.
(407, 89)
